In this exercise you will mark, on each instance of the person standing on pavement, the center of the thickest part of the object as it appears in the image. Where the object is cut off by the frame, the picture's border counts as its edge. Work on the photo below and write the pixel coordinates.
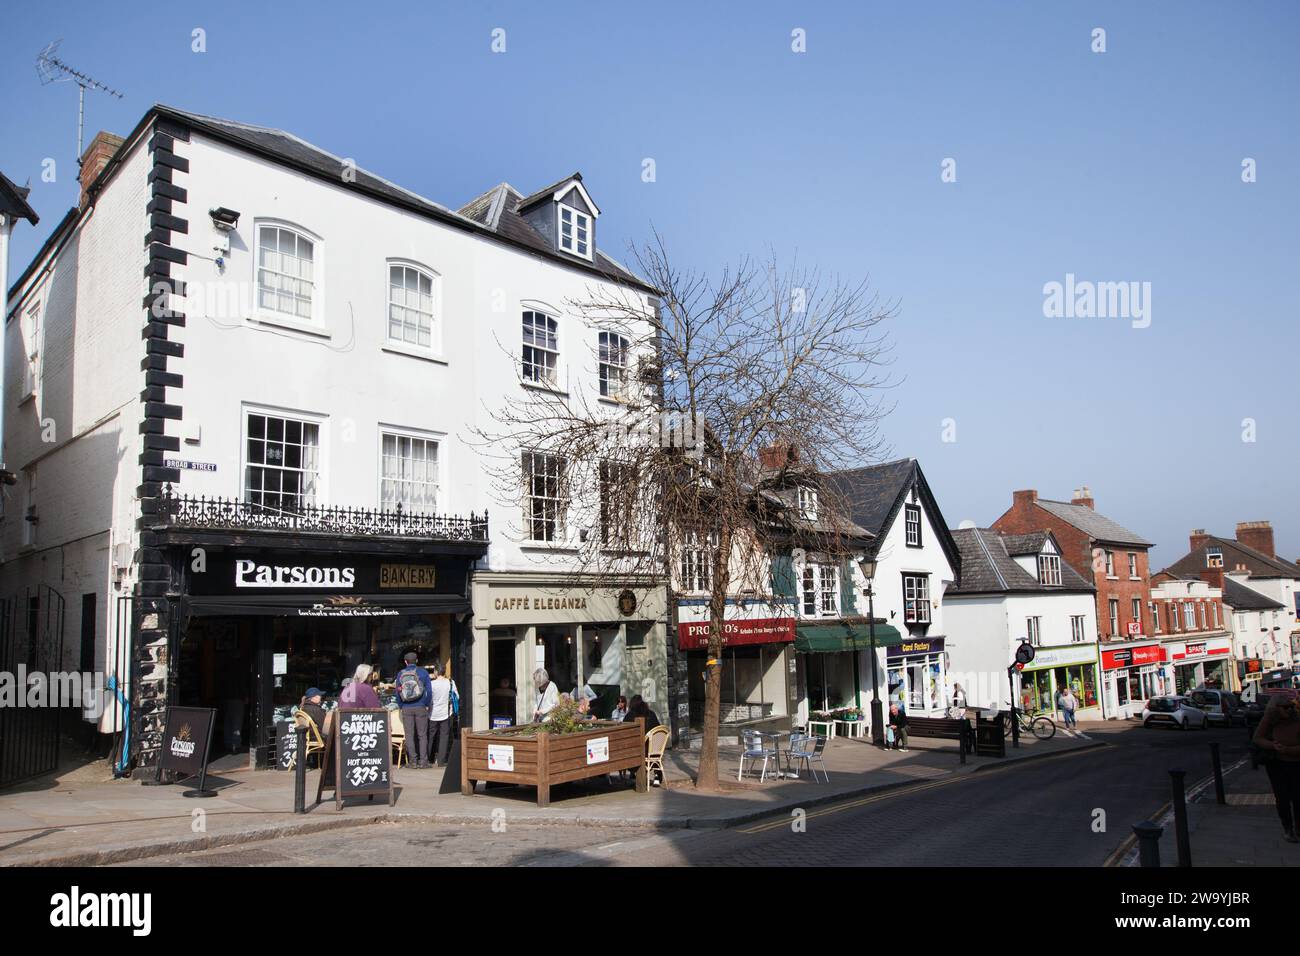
(898, 721)
(548, 695)
(359, 693)
(1068, 704)
(1278, 736)
(440, 716)
(414, 696)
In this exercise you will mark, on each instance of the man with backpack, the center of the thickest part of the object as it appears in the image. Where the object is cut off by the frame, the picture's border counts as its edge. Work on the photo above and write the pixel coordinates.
(414, 697)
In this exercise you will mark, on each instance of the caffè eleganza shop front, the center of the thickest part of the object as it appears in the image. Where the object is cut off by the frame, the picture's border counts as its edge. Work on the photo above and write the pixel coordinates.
(263, 616)
(584, 633)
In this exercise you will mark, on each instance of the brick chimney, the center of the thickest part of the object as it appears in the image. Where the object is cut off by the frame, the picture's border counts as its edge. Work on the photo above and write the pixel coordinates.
(95, 158)
(1213, 577)
(776, 457)
(1196, 540)
(1083, 496)
(1025, 497)
(1257, 535)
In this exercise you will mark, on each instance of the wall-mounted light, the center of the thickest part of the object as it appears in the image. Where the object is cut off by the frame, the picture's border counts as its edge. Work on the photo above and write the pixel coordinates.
(224, 219)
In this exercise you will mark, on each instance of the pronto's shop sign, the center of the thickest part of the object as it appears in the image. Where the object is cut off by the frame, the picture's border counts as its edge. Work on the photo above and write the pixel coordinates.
(694, 635)
(1132, 657)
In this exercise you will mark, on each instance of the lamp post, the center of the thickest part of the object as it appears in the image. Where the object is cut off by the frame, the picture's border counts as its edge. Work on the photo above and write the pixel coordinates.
(868, 566)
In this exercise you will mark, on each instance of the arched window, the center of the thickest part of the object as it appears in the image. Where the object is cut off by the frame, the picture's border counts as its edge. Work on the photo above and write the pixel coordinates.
(286, 271)
(411, 305)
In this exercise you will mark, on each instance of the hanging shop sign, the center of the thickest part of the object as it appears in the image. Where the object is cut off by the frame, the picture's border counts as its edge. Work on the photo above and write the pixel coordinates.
(694, 635)
(627, 602)
(915, 647)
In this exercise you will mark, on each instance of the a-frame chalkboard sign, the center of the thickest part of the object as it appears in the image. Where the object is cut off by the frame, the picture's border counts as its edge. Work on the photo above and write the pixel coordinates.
(358, 758)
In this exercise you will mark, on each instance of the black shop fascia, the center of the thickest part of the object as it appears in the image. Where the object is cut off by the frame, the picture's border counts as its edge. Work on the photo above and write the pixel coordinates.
(258, 626)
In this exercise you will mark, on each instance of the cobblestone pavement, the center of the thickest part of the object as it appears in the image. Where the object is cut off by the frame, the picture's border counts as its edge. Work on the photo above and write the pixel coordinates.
(1043, 812)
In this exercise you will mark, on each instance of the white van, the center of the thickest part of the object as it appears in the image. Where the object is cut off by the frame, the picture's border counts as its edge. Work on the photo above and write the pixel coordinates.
(1220, 706)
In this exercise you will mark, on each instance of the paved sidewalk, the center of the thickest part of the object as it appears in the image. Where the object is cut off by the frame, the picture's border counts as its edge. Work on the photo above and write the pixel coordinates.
(80, 818)
(1244, 832)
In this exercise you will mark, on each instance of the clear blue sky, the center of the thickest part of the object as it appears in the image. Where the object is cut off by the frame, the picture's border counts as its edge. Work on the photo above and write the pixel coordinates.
(1122, 166)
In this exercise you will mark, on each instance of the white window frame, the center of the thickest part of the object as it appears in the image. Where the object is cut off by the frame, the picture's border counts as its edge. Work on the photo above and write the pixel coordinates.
(581, 220)
(413, 434)
(1189, 616)
(561, 502)
(1049, 569)
(697, 561)
(288, 414)
(612, 377)
(30, 328)
(1114, 616)
(618, 532)
(1214, 557)
(820, 589)
(918, 586)
(1155, 617)
(1133, 566)
(1078, 629)
(543, 351)
(1034, 630)
(315, 322)
(808, 502)
(1110, 564)
(434, 348)
(1135, 609)
(912, 525)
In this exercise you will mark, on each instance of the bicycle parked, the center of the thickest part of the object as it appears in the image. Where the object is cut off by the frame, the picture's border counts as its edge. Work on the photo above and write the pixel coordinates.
(1042, 727)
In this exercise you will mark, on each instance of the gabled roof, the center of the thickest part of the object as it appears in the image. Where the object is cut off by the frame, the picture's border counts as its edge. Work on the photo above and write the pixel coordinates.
(1259, 565)
(988, 565)
(13, 201)
(558, 189)
(874, 496)
(1239, 597)
(1031, 543)
(1094, 525)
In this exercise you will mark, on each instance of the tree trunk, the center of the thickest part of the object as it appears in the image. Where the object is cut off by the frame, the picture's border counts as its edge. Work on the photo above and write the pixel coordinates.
(707, 779)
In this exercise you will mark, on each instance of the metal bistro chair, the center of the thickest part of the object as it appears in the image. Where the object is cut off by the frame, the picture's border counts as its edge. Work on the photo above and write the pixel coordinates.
(756, 748)
(808, 750)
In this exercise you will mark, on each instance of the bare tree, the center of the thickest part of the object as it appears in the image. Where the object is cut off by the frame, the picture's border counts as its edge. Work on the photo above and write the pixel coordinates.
(658, 463)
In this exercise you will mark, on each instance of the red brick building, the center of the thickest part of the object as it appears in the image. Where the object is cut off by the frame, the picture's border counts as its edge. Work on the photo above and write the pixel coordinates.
(1115, 560)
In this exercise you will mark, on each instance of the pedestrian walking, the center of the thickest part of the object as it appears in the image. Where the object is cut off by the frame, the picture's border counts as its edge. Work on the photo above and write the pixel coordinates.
(414, 697)
(898, 723)
(1068, 704)
(1278, 737)
(439, 716)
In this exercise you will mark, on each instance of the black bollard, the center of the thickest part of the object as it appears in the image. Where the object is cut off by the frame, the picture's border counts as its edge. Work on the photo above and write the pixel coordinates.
(300, 771)
(1178, 778)
(1219, 797)
(1148, 835)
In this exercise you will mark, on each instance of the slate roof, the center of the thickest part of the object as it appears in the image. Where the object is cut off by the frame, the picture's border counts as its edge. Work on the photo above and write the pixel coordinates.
(1096, 526)
(873, 497)
(509, 227)
(1018, 544)
(1239, 597)
(989, 567)
(788, 500)
(13, 201)
(1259, 565)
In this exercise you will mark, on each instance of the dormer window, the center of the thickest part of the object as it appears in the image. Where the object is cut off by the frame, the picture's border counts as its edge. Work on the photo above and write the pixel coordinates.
(1214, 557)
(575, 231)
(1049, 569)
(808, 503)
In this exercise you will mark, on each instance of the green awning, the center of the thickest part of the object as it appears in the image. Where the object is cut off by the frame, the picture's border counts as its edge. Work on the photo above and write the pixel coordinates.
(832, 637)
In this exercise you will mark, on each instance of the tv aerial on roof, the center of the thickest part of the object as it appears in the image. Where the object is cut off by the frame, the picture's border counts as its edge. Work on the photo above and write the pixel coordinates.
(51, 69)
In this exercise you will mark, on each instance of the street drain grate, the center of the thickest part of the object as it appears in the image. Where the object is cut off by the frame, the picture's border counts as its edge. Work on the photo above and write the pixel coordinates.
(1250, 800)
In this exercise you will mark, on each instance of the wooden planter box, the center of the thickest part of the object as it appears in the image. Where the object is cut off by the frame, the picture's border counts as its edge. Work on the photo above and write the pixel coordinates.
(543, 760)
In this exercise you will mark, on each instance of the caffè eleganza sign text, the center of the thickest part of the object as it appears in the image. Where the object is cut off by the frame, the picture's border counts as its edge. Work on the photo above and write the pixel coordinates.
(539, 603)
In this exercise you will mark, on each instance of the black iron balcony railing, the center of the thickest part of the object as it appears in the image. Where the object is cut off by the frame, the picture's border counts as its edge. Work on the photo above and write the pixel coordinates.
(229, 514)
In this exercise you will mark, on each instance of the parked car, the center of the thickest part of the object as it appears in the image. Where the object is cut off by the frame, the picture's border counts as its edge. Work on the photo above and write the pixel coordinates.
(1220, 706)
(1176, 711)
